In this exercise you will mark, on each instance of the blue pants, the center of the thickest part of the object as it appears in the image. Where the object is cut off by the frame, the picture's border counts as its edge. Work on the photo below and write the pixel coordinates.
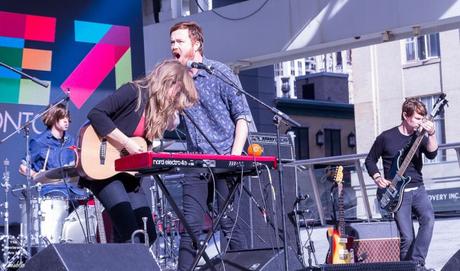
(194, 201)
(415, 247)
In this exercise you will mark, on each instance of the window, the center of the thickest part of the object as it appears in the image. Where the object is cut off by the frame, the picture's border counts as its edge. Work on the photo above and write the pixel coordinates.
(302, 147)
(439, 123)
(310, 65)
(299, 67)
(423, 47)
(338, 62)
(308, 91)
(278, 69)
(332, 142)
(292, 67)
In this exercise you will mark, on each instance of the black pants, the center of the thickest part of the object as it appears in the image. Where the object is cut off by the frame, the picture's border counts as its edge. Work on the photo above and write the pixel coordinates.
(126, 204)
(194, 200)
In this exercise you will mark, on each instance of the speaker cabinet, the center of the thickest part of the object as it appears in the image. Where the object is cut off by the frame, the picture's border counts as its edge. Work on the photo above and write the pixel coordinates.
(375, 241)
(453, 264)
(92, 257)
(384, 266)
(255, 259)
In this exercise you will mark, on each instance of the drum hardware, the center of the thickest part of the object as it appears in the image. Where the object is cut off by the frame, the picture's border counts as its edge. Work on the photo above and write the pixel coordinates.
(166, 248)
(26, 129)
(73, 229)
(144, 231)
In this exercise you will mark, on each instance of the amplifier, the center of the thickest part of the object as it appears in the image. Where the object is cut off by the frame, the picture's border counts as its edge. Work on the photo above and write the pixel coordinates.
(375, 241)
(269, 142)
(384, 266)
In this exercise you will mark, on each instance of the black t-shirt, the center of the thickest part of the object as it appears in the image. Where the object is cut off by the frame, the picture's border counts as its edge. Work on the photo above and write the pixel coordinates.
(387, 145)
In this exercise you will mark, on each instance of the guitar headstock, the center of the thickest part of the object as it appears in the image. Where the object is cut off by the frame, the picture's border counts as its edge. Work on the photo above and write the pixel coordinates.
(438, 107)
(338, 175)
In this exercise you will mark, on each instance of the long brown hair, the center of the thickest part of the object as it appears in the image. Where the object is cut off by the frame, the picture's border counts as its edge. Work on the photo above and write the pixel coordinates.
(170, 88)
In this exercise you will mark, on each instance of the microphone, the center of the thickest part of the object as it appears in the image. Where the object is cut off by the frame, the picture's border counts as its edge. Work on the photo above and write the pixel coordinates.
(200, 66)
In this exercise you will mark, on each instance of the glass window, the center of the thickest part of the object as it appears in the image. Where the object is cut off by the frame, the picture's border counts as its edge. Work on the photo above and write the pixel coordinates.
(302, 146)
(332, 144)
(422, 47)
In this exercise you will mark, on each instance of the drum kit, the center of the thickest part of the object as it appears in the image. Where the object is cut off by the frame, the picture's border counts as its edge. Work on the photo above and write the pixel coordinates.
(51, 222)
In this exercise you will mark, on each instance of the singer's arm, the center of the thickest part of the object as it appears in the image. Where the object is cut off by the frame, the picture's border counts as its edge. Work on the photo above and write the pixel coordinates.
(241, 134)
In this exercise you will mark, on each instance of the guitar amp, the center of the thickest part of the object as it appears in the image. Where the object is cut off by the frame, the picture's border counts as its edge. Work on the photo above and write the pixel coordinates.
(375, 241)
(269, 142)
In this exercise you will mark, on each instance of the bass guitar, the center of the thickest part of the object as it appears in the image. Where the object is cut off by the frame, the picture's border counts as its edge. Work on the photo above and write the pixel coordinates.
(340, 244)
(390, 198)
(98, 154)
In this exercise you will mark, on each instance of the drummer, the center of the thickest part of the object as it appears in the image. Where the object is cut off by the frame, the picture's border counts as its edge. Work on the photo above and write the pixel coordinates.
(54, 148)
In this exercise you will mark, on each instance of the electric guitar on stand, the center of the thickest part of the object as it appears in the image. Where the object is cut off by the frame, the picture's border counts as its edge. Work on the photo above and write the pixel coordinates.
(340, 245)
(390, 198)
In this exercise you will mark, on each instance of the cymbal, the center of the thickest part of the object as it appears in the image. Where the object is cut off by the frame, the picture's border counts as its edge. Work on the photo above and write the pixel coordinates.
(57, 174)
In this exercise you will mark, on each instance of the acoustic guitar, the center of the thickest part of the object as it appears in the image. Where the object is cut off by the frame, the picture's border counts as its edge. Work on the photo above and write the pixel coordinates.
(98, 154)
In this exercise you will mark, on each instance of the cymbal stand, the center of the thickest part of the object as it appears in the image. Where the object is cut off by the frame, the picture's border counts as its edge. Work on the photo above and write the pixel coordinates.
(6, 228)
(6, 237)
(166, 252)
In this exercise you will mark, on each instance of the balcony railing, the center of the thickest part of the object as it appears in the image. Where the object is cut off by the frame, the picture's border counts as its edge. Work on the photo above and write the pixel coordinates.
(441, 175)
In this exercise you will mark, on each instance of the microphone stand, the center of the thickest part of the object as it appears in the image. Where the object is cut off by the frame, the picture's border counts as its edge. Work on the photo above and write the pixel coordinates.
(26, 128)
(277, 118)
(35, 80)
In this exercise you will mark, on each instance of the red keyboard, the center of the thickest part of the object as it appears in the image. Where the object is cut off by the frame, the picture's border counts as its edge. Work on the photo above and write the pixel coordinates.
(152, 162)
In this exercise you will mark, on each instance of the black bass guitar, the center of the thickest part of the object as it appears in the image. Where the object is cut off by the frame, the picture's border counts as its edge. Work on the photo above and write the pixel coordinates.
(390, 198)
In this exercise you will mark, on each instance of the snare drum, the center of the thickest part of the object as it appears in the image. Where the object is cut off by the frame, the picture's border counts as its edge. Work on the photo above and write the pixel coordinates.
(53, 212)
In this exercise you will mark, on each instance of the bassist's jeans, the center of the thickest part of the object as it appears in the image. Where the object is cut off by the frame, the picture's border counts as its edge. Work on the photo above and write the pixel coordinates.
(415, 247)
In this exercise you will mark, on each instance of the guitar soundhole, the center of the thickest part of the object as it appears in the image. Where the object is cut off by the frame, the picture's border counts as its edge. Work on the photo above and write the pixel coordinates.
(124, 152)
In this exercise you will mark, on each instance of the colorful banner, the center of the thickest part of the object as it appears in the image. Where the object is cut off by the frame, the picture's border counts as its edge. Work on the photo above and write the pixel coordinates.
(85, 48)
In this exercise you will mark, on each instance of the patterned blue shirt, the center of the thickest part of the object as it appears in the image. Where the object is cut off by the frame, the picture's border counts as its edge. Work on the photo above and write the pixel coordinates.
(59, 155)
(217, 111)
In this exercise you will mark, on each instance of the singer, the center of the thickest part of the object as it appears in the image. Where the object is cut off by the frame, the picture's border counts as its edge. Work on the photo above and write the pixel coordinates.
(224, 117)
(143, 108)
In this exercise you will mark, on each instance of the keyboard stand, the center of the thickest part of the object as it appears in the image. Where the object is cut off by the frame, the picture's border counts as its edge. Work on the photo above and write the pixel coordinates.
(215, 224)
(181, 217)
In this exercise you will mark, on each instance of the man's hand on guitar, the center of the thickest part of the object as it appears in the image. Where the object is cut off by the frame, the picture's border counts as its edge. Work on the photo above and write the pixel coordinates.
(428, 126)
(381, 182)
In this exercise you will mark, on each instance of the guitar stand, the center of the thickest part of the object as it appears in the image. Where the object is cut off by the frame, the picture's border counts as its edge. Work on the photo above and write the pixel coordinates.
(310, 246)
(181, 217)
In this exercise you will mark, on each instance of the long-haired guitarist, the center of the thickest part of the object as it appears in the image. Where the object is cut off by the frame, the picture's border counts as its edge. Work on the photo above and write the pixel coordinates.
(415, 199)
(142, 108)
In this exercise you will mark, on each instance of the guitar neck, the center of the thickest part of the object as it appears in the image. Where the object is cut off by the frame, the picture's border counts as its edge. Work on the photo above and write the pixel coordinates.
(341, 210)
(410, 154)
